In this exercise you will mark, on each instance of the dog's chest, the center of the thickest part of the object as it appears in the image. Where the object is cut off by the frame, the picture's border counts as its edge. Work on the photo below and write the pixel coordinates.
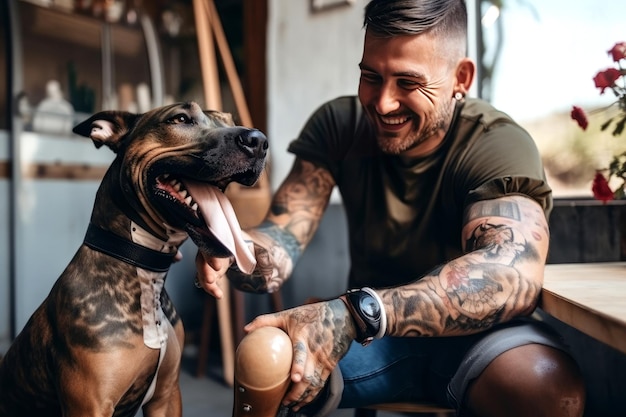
(155, 331)
(153, 319)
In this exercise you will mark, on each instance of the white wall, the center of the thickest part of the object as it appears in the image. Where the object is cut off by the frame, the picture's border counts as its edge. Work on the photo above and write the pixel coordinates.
(312, 57)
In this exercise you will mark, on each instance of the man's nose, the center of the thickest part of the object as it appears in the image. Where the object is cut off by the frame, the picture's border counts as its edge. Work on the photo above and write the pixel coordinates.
(387, 100)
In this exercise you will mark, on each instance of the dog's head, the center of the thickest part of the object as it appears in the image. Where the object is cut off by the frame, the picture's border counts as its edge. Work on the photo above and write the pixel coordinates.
(165, 153)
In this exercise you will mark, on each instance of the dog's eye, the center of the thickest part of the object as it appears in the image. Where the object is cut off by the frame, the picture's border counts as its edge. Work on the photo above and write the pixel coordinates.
(180, 118)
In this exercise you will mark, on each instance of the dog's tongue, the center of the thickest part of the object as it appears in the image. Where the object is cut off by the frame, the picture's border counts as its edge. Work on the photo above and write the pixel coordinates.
(222, 222)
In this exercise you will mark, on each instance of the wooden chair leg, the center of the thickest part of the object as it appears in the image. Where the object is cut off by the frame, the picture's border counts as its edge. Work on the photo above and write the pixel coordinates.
(238, 311)
(277, 301)
(227, 339)
(205, 335)
(231, 319)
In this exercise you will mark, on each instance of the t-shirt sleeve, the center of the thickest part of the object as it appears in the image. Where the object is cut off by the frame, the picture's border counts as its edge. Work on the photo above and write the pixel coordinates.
(506, 162)
(327, 134)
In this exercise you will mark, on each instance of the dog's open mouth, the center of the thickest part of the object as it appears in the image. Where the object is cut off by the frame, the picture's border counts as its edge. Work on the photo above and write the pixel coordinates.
(183, 206)
(207, 215)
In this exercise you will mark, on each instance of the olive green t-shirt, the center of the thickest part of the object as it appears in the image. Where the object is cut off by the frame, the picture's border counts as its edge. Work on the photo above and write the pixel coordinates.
(405, 214)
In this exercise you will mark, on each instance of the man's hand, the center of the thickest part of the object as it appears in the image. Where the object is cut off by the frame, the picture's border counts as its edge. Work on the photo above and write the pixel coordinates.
(209, 272)
(321, 334)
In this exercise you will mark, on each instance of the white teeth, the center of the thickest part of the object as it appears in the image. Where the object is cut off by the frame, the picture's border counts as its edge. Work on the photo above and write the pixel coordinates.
(394, 120)
(178, 187)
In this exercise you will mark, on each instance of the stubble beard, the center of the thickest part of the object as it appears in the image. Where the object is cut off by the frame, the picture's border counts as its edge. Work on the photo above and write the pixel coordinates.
(394, 144)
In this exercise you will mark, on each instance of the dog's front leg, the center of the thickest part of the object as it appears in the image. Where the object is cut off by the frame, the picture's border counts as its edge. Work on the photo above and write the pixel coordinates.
(97, 383)
(167, 398)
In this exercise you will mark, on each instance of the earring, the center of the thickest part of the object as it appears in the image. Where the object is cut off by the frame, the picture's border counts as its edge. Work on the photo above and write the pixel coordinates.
(458, 96)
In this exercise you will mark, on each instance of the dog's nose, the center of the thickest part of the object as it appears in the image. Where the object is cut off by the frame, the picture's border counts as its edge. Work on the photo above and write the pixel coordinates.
(253, 142)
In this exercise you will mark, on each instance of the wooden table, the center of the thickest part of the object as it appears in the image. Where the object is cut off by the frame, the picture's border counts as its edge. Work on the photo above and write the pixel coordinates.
(590, 297)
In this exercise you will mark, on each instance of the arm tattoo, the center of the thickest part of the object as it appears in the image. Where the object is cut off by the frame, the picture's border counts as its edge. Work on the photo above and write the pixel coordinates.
(493, 282)
(273, 267)
(282, 237)
(295, 213)
(299, 204)
(488, 209)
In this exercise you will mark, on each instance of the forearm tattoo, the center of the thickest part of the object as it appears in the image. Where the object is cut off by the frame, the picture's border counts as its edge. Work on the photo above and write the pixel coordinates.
(282, 237)
(273, 262)
(493, 282)
(294, 216)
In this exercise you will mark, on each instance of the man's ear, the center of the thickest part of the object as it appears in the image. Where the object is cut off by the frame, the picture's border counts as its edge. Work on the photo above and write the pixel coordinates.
(465, 71)
(107, 128)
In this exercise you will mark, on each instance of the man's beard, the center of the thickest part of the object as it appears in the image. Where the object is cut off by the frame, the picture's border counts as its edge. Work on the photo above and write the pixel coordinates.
(391, 144)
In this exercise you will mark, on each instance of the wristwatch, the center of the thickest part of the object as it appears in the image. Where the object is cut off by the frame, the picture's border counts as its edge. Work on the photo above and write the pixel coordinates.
(368, 313)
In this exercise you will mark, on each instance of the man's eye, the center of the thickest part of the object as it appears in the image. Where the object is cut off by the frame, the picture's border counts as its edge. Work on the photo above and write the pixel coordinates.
(408, 84)
(180, 118)
(370, 78)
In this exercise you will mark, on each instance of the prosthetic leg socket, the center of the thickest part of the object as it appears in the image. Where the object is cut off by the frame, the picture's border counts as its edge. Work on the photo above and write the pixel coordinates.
(262, 372)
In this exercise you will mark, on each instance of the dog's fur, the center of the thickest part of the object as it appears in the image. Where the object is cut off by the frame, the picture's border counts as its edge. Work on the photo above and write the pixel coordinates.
(82, 353)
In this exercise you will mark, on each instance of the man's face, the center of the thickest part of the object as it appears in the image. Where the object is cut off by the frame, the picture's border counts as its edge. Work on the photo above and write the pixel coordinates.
(406, 88)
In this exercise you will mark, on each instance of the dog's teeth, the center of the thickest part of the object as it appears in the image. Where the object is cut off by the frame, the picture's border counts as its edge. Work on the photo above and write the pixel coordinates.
(166, 176)
(194, 206)
(176, 186)
(183, 193)
(188, 200)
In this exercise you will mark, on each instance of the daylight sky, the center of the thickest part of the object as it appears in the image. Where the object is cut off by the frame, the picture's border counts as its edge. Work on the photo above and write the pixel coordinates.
(552, 49)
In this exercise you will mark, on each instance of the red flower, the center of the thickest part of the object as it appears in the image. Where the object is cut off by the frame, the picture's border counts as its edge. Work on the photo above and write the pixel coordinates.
(606, 79)
(616, 120)
(579, 115)
(618, 51)
(600, 188)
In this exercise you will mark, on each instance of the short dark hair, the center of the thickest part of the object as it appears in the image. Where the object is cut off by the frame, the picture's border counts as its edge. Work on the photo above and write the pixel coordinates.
(415, 17)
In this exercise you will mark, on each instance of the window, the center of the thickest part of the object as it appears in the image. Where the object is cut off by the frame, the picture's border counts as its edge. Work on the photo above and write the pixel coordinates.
(538, 59)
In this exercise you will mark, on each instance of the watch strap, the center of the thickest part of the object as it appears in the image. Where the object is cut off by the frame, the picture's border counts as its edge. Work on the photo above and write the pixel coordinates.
(367, 328)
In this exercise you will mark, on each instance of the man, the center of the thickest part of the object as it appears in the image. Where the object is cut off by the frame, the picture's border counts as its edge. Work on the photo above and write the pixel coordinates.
(446, 203)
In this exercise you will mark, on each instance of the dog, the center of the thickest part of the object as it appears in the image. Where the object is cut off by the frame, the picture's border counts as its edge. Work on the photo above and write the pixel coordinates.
(107, 340)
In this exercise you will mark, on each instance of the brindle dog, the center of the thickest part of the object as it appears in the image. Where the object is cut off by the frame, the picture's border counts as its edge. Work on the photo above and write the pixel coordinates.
(107, 339)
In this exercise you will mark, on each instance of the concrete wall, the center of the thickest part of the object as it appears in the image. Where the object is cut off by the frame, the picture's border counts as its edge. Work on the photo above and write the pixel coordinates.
(312, 57)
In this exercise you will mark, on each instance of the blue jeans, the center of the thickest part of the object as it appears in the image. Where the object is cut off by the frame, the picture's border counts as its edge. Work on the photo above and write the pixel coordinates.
(417, 369)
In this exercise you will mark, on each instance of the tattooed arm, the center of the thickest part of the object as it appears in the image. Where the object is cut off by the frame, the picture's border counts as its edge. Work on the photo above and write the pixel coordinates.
(293, 217)
(499, 277)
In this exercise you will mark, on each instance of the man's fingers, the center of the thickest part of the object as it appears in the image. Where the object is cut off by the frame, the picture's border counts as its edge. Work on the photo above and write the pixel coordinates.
(209, 272)
(299, 361)
(214, 290)
(218, 264)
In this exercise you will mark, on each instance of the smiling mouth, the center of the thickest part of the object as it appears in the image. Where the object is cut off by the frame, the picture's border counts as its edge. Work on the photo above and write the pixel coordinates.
(393, 120)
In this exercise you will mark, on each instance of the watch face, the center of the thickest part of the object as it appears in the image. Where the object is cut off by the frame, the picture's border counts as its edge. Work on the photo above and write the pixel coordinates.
(369, 307)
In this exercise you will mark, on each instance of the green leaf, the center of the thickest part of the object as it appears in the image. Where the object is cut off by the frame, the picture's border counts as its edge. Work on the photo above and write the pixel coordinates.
(619, 127)
(606, 124)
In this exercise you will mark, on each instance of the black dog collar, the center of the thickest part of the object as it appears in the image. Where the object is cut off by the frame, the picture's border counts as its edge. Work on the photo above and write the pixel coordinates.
(113, 245)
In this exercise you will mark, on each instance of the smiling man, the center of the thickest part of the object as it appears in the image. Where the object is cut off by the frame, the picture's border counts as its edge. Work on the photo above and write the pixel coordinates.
(447, 204)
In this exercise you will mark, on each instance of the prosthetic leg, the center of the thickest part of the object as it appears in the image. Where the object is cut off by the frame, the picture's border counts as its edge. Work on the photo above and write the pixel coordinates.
(262, 365)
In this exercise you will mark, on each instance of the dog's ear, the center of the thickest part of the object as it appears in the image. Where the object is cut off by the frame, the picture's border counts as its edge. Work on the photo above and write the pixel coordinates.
(225, 118)
(107, 128)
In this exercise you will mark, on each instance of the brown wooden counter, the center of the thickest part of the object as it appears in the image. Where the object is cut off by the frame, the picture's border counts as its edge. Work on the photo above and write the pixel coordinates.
(590, 297)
